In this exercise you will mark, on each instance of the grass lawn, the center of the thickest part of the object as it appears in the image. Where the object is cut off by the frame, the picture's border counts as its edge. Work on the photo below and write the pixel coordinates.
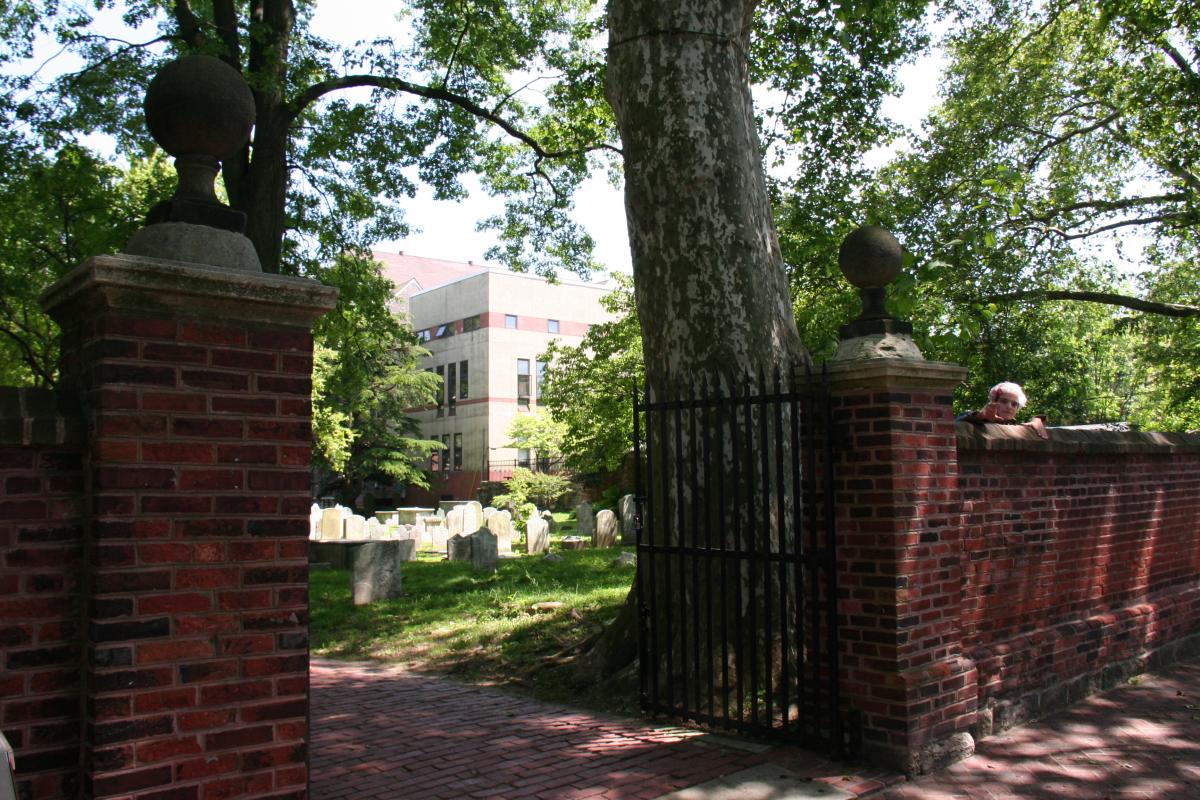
(482, 628)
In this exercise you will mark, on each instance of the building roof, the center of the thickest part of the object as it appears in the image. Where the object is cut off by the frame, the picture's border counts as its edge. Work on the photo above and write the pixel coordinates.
(413, 274)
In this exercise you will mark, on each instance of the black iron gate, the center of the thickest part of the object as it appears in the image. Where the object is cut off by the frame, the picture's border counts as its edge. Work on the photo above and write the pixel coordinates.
(736, 567)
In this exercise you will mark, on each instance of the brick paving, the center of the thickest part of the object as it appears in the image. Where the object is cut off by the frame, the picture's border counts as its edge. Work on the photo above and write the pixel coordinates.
(380, 733)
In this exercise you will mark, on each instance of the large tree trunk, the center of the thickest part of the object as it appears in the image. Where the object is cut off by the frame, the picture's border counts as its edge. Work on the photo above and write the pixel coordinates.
(709, 280)
(711, 291)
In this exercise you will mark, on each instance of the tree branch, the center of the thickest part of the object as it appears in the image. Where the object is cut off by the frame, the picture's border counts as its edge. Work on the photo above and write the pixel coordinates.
(1102, 206)
(1135, 303)
(318, 90)
(188, 24)
(225, 19)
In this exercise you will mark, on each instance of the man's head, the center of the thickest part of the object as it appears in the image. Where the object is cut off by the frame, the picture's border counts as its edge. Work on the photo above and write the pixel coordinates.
(1005, 399)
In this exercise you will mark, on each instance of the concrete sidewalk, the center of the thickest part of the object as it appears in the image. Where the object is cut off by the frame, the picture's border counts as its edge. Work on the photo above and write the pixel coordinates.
(379, 732)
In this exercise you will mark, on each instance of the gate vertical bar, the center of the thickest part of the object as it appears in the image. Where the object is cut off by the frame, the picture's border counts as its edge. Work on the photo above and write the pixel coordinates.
(706, 423)
(639, 573)
(751, 550)
(764, 486)
(648, 533)
(781, 567)
(723, 410)
(677, 552)
(739, 656)
(694, 446)
(830, 563)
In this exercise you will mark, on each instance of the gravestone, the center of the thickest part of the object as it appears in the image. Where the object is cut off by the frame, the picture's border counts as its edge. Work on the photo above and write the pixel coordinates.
(314, 522)
(454, 523)
(624, 560)
(605, 534)
(553, 558)
(375, 529)
(407, 536)
(331, 524)
(472, 515)
(484, 555)
(628, 509)
(375, 572)
(585, 520)
(537, 536)
(551, 522)
(386, 517)
(573, 543)
(458, 547)
(436, 528)
(487, 512)
(355, 528)
(500, 524)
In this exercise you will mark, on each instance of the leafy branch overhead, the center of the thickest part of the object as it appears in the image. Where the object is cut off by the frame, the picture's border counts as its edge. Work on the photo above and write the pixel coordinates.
(343, 134)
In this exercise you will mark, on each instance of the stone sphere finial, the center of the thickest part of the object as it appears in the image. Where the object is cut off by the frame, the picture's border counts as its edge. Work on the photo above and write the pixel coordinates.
(199, 106)
(870, 257)
(199, 110)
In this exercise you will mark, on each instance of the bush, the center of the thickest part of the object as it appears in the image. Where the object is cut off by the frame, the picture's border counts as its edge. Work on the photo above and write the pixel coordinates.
(533, 487)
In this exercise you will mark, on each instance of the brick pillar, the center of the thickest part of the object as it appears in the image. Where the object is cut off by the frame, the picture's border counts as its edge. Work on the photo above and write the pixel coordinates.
(899, 560)
(194, 383)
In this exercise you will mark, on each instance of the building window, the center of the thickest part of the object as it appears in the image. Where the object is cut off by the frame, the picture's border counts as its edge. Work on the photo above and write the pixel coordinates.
(446, 458)
(452, 387)
(424, 335)
(458, 451)
(471, 323)
(541, 378)
(523, 384)
(552, 326)
(523, 457)
(441, 391)
(435, 459)
(444, 331)
(510, 321)
(463, 392)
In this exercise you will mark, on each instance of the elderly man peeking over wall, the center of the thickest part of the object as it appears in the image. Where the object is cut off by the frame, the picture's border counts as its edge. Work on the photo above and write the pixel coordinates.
(1004, 401)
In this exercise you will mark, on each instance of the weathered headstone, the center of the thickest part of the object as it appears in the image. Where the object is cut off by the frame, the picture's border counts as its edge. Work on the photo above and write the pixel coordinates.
(454, 522)
(628, 509)
(314, 522)
(458, 547)
(355, 528)
(585, 520)
(387, 516)
(605, 534)
(573, 543)
(551, 522)
(375, 529)
(472, 515)
(375, 572)
(484, 555)
(487, 512)
(624, 560)
(331, 524)
(500, 524)
(537, 536)
(436, 528)
(553, 558)
(407, 536)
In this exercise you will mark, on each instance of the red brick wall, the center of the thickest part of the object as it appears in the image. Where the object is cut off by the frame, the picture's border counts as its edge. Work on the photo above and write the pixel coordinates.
(41, 546)
(197, 558)
(1079, 554)
(899, 571)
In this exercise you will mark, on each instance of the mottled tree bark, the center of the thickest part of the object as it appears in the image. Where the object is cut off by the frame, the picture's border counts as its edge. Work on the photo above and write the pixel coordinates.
(711, 292)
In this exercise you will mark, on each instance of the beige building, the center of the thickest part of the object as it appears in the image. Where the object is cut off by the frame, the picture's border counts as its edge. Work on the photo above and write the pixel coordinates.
(486, 329)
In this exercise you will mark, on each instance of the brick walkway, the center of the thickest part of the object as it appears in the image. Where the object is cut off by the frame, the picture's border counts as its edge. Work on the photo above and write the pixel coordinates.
(381, 733)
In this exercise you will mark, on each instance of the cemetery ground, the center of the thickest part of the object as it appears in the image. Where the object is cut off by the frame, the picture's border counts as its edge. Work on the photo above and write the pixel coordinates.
(514, 628)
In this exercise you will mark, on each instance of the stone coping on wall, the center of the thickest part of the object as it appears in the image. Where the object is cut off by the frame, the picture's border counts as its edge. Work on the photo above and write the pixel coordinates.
(32, 417)
(149, 284)
(1073, 440)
